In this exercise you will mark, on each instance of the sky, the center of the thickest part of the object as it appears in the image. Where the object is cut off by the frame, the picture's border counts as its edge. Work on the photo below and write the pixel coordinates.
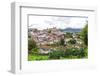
(44, 22)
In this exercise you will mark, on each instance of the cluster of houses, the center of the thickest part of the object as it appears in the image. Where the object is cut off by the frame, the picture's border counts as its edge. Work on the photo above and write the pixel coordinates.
(46, 36)
(50, 36)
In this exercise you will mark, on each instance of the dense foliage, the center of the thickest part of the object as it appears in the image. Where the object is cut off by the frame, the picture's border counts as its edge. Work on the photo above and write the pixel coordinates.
(68, 35)
(72, 41)
(62, 41)
(84, 34)
(69, 53)
(32, 46)
(56, 54)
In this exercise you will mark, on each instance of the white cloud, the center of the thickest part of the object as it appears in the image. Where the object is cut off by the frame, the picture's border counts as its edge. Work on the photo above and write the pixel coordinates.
(44, 22)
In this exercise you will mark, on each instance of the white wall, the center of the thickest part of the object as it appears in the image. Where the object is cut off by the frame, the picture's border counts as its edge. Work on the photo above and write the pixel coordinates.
(5, 33)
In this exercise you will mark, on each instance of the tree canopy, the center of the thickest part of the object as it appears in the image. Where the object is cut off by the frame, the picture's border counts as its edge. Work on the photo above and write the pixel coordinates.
(84, 34)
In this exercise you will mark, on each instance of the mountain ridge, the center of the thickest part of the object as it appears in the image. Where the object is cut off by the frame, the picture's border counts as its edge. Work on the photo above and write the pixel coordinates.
(72, 30)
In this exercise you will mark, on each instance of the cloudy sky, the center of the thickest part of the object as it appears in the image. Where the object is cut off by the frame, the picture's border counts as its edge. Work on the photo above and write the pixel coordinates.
(44, 22)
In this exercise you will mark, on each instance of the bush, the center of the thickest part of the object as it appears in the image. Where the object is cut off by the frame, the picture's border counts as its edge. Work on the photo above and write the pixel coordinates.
(31, 45)
(68, 52)
(83, 53)
(56, 54)
(62, 42)
(35, 51)
(78, 53)
(72, 41)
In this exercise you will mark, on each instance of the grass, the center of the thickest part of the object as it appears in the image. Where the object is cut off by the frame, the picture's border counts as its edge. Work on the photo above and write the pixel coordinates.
(34, 57)
(46, 57)
(37, 57)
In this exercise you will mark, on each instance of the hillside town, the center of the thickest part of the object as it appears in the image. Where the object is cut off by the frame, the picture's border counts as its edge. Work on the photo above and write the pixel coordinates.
(55, 37)
(54, 43)
(46, 36)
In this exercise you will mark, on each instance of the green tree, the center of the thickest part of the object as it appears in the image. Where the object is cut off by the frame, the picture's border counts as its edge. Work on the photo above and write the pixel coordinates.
(68, 35)
(84, 34)
(62, 41)
(72, 41)
(31, 45)
(83, 53)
